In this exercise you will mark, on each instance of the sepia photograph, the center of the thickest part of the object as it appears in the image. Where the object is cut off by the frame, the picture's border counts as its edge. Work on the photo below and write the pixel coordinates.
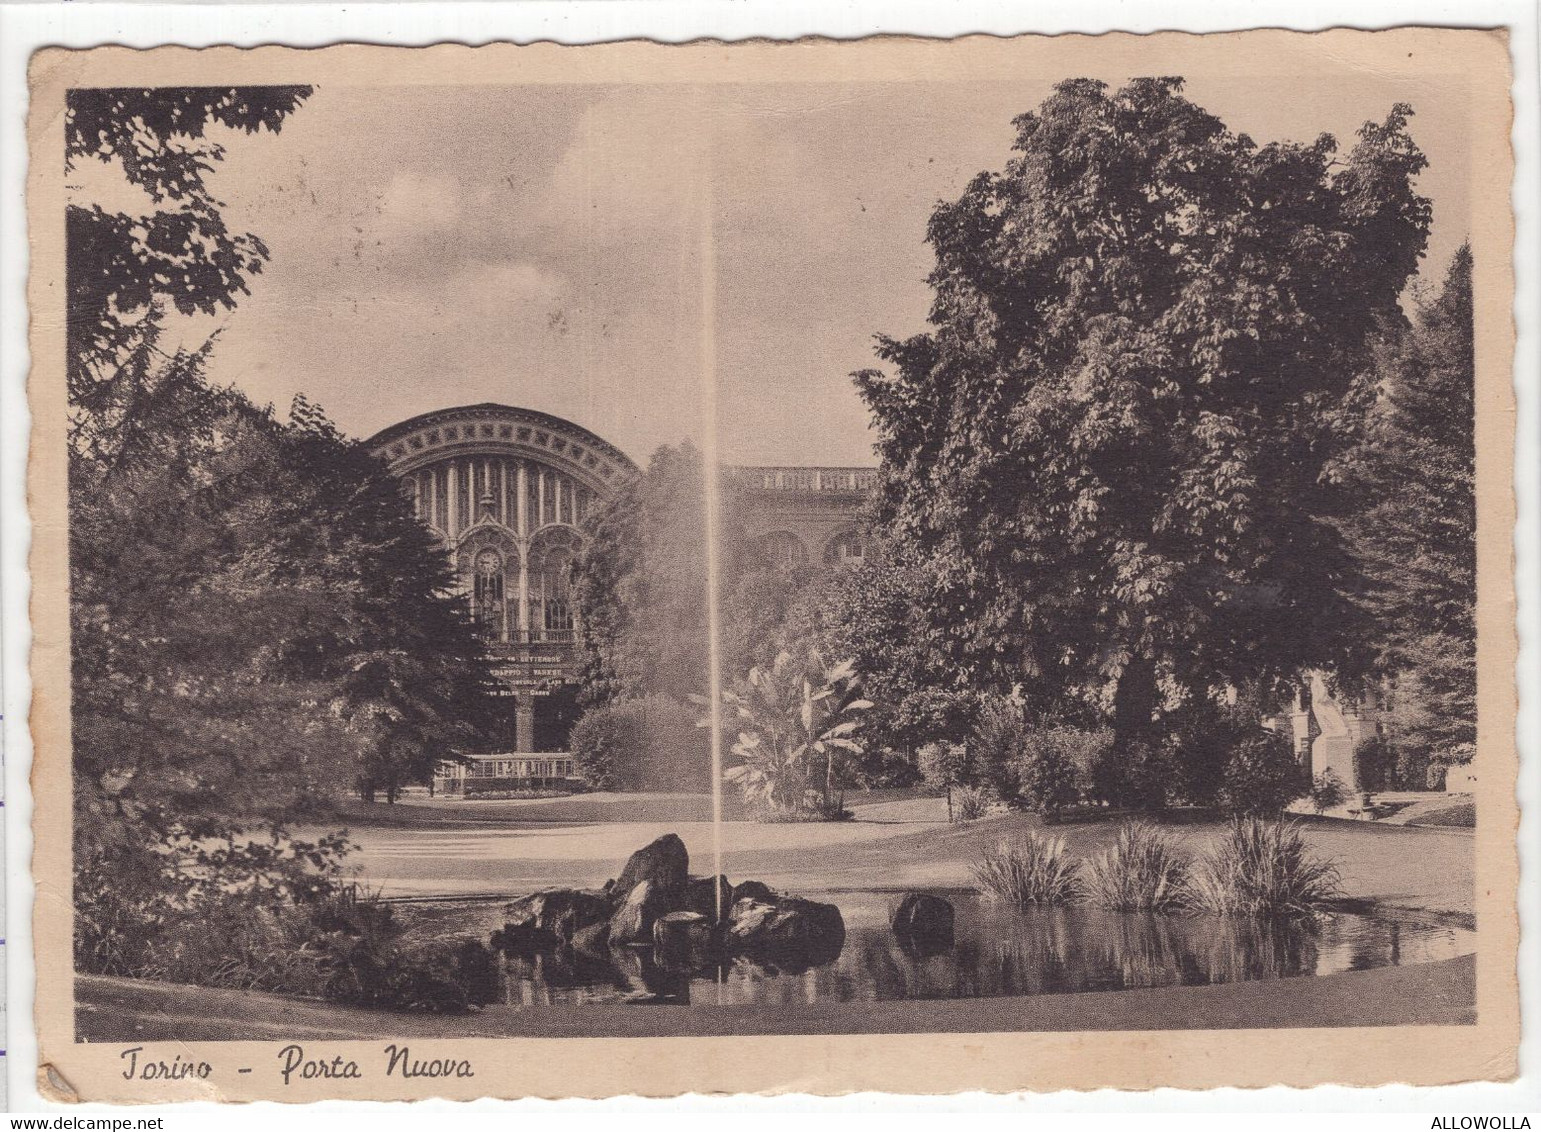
(980, 537)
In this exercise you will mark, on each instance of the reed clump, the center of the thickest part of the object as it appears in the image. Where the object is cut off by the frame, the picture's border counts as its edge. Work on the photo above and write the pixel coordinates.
(1143, 871)
(1263, 867)
(1032, 869)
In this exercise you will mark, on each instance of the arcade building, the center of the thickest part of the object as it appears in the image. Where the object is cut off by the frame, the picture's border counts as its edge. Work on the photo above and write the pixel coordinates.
(506, 490)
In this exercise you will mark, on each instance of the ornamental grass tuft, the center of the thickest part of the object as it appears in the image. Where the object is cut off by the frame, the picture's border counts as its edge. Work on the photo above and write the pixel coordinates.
(1262, 867)
(1033, 869)
(1142, 871)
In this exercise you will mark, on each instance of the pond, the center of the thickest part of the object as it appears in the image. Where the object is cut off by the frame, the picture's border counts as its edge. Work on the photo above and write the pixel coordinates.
(998, 950)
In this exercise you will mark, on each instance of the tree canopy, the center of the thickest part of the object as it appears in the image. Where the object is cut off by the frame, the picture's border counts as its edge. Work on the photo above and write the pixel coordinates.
(1151, 342)
(641, 582)
(164, 141)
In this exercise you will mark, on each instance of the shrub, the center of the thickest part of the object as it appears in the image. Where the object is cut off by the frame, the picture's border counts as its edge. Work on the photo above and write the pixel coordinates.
(1032, 870)
(1142, 871)
(365, 963)
(1262, 868)
(1370, 763)
(797, 721)
(1263, 775)
(272, 916)
(970, 803)
(146, 911)
(1135, 778)
(1219, 752)
(813, 811)
(946, 766)
(237, 944)
(1047, 769)
(877, 768)
(651, 743)
(996, 744)
(1327, 791)
(1203, 737)
(606, 744)
(1086, 748)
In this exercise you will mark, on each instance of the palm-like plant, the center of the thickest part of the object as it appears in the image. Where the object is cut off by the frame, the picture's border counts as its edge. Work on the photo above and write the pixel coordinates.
(795, 721)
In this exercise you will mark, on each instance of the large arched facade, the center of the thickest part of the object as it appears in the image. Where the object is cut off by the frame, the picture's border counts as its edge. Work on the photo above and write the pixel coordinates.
(798, 516)
(507, 490)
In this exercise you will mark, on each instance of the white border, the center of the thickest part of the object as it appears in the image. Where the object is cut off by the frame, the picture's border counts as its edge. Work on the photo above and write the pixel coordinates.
(25, 27)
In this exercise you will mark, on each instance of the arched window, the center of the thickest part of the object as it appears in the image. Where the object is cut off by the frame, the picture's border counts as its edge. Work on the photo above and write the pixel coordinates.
(783, 550)
(487, 594)
(556, 594)
(845, 549)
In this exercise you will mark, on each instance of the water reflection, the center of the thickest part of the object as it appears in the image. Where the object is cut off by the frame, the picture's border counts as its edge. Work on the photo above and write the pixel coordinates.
(999, 951)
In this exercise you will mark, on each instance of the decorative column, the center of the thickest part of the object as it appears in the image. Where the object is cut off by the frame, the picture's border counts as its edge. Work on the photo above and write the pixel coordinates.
(524, 597)
(452, 519)
(503, 492)
(503, 626)
(521, 504)
(540, 498)
(524, 723)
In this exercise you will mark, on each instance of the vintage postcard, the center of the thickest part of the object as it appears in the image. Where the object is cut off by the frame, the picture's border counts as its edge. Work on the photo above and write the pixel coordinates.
(898, 564)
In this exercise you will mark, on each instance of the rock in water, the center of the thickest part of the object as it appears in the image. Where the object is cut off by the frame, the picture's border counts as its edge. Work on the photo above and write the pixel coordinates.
(633, 920)
(753, 890)
(664, 862)
(558, 912)
(791, 932)
(701, 897)
(592, 938)
(924, 919)
(683, 939)
(522, 939)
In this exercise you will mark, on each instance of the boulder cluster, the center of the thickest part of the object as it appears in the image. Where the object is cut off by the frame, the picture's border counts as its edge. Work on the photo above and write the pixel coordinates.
(688, 921)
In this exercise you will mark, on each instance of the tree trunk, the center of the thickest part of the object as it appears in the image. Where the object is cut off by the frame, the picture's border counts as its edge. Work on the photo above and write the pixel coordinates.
(1134, 704)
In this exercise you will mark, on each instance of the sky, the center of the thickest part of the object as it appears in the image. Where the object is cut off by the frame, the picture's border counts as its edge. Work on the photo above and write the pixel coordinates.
(548, 246)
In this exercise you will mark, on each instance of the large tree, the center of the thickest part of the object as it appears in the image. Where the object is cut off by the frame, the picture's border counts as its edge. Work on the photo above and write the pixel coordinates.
(876, 615)
(1417, 533)
(1150, 340)
(395, 639)
(641, 583)
(257, 619)
(258, 622)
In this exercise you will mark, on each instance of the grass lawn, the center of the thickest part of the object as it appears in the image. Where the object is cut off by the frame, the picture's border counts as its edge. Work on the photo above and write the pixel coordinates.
(906, 804)
(585, 808)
